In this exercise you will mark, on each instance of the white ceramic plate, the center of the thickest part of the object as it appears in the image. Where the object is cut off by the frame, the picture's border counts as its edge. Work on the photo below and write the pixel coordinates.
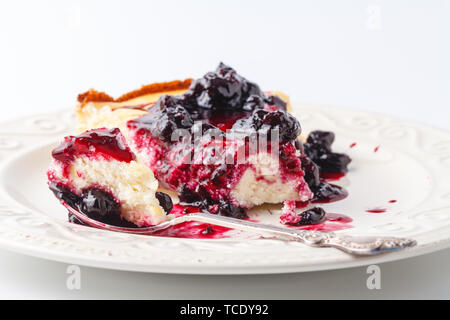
(411, 166)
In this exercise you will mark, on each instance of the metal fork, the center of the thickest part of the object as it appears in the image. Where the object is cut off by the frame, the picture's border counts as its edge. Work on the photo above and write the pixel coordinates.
(355, 245)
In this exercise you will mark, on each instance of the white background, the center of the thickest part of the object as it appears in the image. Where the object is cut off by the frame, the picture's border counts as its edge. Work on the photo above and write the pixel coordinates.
(384, 56)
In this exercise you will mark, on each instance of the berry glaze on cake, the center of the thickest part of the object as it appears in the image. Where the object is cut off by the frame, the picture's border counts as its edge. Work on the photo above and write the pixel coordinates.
(222, 144)
(97, 173)
(212, 162)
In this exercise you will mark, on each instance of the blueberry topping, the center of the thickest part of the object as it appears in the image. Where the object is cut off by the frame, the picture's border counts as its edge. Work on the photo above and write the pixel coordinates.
(190, 197)
(165, 201)
(263, 121)
(299, 145)
(323, 138)
(94, 203)
(312, 175)
(327, 192)
(221, 98)
(201, 198)
(314, 151)
(312, 216)
(228, 209)
(222, 89)
(164, 118)
(333, 162)
(219, 173)
(252, 103)
(100, 206)
(318, 148)
(274, 100)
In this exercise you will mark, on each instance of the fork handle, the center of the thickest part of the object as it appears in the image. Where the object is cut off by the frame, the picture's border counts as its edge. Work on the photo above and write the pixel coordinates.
(356, 245)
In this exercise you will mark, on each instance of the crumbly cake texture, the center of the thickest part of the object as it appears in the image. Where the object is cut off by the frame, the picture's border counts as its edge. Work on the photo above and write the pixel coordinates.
(131, 184)
(81, 163)
(262, 183)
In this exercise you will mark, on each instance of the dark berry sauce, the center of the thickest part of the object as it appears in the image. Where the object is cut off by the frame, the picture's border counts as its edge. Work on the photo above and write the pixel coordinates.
(225, 119)
(165, 201)
(318, 220)
(318, 148)
(179, 210)
(95, 203)
(308, 217)
(100, 205)
(322, 165)
(105, 143)
(193, 230)
(327, 192)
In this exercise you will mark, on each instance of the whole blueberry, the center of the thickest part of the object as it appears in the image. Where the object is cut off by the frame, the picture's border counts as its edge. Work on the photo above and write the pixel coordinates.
(323, 138)
(165, 201)
(312, 216)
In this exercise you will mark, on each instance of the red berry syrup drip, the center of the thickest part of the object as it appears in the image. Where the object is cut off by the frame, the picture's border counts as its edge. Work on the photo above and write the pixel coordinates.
(333, 222)
(376, 210)
(195, 230)
(192, 230)
(224, 120)
(331, 176)
(107, 143)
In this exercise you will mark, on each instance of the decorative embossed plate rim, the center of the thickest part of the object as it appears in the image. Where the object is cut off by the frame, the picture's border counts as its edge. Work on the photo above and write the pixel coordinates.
(26, 229)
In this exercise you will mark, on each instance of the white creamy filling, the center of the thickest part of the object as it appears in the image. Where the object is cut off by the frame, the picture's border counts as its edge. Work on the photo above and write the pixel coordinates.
(133, 184)
(262, 183)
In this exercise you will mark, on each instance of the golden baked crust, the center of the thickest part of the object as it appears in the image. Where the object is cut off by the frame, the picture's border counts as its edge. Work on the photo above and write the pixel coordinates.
(156, 88)
(146, 94)
(93, 95)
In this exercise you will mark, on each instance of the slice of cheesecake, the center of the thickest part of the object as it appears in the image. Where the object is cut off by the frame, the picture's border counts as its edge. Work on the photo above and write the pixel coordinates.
(97, 173)
(220, 141)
